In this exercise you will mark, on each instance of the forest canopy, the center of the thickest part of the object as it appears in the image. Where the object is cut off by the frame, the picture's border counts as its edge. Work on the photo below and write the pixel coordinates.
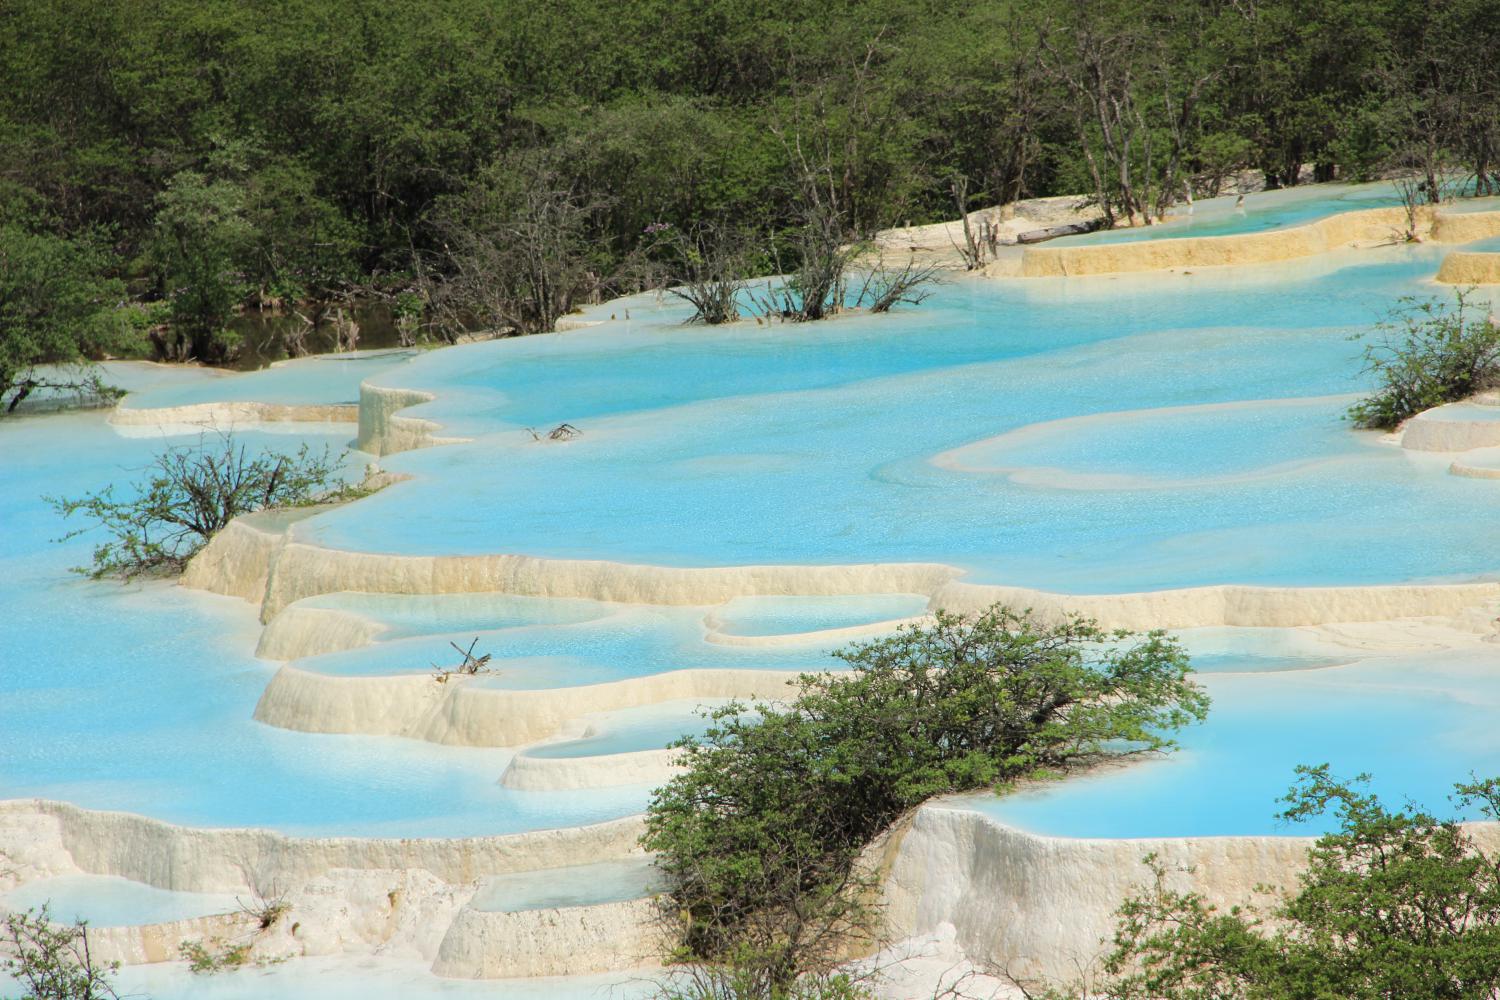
(219, 153)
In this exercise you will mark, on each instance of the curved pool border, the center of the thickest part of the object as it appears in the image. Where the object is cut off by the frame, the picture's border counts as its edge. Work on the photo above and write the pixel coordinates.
(1333, 232)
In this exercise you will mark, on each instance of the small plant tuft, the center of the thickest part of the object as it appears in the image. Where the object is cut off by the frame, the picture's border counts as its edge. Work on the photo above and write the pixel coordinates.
(214, 957)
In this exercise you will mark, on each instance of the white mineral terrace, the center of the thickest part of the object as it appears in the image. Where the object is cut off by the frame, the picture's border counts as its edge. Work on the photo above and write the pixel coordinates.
(1158, 449)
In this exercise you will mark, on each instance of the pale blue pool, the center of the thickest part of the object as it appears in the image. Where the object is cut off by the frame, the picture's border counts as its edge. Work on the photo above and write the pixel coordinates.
(579, 885)
(1416, 723)
(410, 615)
(140, 697)
(788, 445)
(650, 727)
(779, 616)
(632, 641)
(110, 901)
(1263, 211)
(325, 378)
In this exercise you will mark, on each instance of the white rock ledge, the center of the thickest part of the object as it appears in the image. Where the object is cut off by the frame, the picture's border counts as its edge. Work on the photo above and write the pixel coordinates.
(639, 767)
(1045, 906)
(230, 414)
(571, 940)
(459, 712)
(243, 561)
(56, 837)
(382, 432)
(1358, 228)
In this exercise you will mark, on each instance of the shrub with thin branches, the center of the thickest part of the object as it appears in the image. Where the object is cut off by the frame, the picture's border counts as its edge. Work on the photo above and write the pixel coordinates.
(188, 495)
(1428, 353)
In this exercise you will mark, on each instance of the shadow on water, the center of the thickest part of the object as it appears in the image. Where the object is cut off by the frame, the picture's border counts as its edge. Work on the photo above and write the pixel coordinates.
(263, 335)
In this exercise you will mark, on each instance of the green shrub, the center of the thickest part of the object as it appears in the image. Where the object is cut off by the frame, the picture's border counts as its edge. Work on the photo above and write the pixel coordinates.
(52, 961)
(1429, 353)
(761, 834)
(189, 495)
(1392, 904)
(58, 307)
(214, 957)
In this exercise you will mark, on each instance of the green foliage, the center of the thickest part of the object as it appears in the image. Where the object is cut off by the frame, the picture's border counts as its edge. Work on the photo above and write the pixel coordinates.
(52, 961)
(235, 156)
(299, 245)
(188, 495)
(1393, 904)
(214, 957)
(57, 307)
(760, 835)
(199, 235)
(1428, 353)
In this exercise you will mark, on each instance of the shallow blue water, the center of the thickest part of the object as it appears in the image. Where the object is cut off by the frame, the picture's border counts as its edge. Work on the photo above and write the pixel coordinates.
(766, 616)
(1260, 211)
(650, 727)
(110, 901)
(1266, 210)
(633, 641)
(326, 378)
(1417, 724)
(579, 885)
(754, 446)
(140, 697)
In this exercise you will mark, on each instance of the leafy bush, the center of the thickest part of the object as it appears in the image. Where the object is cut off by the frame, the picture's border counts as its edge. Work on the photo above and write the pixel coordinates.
(761, 834)
(52, 961)
(214, 957)
(1393, 904)
(189, 495)
(1429, 354)
(57, 307)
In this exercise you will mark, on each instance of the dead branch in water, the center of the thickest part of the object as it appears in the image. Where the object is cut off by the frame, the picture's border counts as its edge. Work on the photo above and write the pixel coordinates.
(470, 666)
(562, 432)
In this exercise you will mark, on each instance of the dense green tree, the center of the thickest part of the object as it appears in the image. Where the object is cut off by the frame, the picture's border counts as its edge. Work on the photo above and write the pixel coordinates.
(1394, 903)
(58, 308)
(353, 121)
(199, 237)
(760, 835)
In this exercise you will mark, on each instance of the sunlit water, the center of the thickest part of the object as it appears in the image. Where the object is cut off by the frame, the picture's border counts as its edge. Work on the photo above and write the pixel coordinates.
(139, 697)
(828, 443)
(1110, 434)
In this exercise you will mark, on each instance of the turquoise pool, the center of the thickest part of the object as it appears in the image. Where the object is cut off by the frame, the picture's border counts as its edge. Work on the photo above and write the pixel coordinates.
(1082, 435)
(793, 445)
(1264, 211)
(139, 697)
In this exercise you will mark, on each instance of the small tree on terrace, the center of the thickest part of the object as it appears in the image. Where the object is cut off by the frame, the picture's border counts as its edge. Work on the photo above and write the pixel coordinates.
(1394, 903)
(761, 836)
(52, 961)
(189, 495)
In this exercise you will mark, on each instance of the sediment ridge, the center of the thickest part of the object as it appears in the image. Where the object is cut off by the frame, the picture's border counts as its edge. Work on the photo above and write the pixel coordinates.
(1357, 228)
